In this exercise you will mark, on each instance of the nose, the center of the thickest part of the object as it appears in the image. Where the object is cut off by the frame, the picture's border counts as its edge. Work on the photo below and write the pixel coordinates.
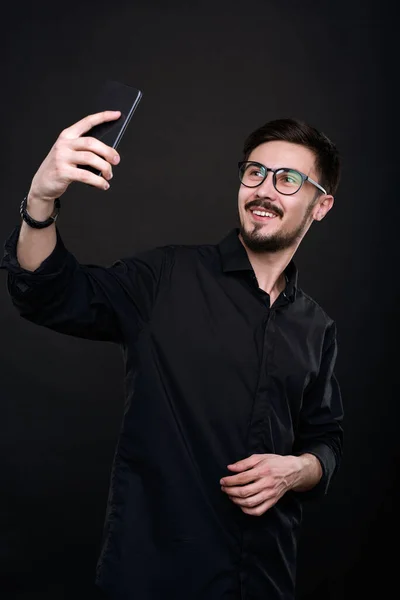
(267, 189)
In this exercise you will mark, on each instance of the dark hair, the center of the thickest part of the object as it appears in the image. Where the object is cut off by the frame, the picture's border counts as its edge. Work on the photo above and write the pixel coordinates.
(297, 132)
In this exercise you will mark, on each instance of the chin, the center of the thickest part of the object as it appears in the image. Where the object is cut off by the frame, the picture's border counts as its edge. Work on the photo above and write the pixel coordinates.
(260, 242)
(261, 230)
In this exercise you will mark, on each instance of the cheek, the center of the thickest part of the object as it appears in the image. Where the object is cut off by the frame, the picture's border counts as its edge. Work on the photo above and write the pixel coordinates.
(296, 213)
(243, 198)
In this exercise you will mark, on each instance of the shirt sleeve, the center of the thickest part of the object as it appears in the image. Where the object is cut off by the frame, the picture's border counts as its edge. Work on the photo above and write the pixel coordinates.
(87, 301)
(320, 429)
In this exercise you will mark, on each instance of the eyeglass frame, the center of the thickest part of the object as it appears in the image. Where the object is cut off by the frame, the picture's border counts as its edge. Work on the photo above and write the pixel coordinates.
(274, 171)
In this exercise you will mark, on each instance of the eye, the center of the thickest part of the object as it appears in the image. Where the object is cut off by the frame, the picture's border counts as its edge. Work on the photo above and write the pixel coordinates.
(255, 172)
(252, 174)
(289, 179)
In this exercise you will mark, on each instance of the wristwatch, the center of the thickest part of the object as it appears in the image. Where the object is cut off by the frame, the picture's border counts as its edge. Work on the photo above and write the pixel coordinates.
(39, 224)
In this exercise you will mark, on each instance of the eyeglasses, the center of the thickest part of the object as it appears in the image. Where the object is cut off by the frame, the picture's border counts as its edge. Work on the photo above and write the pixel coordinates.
(285, 181)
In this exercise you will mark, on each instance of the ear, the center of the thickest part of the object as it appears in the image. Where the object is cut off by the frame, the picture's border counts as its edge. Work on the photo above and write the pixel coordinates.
(322, 207)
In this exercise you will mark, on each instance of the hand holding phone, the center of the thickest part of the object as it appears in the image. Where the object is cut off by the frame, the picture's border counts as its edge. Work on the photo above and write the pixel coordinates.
(73, 159)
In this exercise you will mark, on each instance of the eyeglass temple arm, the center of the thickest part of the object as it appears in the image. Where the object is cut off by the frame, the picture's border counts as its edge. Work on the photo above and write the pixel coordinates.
(316, 185)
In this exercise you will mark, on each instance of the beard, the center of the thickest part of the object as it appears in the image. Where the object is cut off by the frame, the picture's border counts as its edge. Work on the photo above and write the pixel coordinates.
(258, 242)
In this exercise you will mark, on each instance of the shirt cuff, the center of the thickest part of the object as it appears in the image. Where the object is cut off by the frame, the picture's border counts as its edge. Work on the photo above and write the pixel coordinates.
(24, 279)
(327, 460)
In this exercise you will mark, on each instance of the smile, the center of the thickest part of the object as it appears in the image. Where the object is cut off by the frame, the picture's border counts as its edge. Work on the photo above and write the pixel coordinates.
(262, 215)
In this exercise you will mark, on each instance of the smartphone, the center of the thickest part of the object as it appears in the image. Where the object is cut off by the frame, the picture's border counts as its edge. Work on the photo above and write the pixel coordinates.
(113, 96)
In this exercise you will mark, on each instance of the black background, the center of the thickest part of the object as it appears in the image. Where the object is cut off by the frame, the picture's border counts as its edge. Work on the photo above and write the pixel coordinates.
(210, 73)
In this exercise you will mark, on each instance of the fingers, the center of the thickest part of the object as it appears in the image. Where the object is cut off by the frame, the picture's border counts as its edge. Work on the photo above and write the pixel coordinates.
(90, 152)
(258, 511)
(90, 144)
(86, 124)
(247, 463)
(252, 501)
(92, 160)
(72, 148)
(244, 491)
(240, 478)
(85, 176)
(257, 504)
(250, 462)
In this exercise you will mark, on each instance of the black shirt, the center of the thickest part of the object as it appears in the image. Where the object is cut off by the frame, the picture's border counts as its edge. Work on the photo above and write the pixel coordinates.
(213, 375)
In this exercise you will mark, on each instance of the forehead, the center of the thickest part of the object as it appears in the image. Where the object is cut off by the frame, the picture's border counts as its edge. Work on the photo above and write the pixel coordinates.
(284, 154)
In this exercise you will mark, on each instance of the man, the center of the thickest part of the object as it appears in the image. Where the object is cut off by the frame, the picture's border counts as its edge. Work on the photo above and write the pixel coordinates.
(233, 413)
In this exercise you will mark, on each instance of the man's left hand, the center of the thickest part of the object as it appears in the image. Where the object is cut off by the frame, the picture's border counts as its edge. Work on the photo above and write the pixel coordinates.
(261, 480)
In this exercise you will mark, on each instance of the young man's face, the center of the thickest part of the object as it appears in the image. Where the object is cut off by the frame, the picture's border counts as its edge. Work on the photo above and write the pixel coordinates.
(288, 217)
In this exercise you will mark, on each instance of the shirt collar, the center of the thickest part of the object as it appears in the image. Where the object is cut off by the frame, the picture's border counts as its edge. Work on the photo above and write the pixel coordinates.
(234, 258)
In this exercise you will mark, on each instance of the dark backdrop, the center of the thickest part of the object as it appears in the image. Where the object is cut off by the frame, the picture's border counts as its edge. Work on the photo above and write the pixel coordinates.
(210, 74)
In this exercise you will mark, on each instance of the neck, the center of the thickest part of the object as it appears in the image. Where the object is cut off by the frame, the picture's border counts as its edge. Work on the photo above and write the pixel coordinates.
(269, 269)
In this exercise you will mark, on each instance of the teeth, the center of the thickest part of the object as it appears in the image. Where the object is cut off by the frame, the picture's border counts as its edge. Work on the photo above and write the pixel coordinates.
(262, 213)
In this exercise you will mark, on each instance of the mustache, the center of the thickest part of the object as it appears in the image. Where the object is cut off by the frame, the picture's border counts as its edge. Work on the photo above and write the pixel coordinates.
(264, 205)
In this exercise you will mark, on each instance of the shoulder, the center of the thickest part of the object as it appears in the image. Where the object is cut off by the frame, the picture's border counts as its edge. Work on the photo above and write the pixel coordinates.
(318, 314)
(312, 304)
(167, 256)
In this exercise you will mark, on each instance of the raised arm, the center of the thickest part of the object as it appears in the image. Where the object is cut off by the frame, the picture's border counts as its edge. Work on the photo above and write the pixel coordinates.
(58, 170)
